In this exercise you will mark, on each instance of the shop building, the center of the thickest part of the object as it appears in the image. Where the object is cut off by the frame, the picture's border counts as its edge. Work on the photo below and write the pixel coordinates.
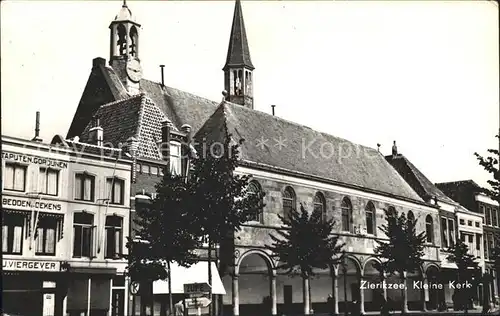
(61, 240)
(455, 221)
(469, 195)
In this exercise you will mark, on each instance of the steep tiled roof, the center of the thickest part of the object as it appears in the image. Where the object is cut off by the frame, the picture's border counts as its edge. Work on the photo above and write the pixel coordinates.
(136, 116)
(419, 182)
(304, 150)
(179, 106)
(238, 53)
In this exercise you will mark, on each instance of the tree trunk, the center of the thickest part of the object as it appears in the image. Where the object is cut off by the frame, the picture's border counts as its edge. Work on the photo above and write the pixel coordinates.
(305, 288)
(209, 259)
(170, 299)
(404, 310)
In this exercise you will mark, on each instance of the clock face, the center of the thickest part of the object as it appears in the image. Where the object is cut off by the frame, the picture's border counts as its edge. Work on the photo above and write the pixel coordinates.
(134, 70)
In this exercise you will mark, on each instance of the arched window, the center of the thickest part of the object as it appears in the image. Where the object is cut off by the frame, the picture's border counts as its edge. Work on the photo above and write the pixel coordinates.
(411, 217)
(133, 41)
(370, 219)
(429, 229)
(346, 207)
(254, 188)
(289, 202)
(320, 205)
(122, 39)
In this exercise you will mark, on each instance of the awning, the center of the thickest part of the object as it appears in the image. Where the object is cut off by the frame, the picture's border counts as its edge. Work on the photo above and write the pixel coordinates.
(196, 273)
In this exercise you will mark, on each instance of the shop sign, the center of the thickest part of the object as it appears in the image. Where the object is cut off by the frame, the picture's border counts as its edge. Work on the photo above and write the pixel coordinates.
(31, 265)
(30, 204)
(34, 160)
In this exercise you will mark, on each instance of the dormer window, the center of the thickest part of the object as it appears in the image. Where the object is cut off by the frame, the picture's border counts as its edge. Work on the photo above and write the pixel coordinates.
(175, 159)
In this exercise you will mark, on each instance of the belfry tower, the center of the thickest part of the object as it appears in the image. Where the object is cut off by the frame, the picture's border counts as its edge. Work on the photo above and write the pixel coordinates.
(124, 49)
(238, 70)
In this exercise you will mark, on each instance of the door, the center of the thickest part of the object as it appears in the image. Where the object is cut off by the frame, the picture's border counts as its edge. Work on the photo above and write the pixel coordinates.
(117, 302)
(287, 298)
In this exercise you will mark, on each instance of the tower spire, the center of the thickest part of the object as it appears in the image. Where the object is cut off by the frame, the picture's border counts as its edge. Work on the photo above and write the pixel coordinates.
(238, 53)
(238, 69)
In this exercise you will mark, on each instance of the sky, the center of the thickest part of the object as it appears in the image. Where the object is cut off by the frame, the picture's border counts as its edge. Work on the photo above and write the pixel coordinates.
(423, 73)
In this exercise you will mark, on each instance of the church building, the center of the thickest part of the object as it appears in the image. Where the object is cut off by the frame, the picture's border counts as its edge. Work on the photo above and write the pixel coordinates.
(350, 183)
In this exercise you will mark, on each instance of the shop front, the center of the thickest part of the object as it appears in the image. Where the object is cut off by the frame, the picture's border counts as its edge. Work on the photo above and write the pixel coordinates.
(32, 287)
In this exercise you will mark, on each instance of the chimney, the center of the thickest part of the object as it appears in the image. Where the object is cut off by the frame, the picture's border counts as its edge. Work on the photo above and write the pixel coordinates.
(99, 61)
(37, 128)
(166, 127)
(394, 150)
(96, 133)
(162, 75)
(186, 129)
(272, 108)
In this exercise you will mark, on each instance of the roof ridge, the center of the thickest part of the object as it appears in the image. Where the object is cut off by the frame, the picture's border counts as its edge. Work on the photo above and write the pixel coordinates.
(122, 100)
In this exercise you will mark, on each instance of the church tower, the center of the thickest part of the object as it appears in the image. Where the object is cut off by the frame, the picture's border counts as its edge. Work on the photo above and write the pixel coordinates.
(124, 49)
(238, 70)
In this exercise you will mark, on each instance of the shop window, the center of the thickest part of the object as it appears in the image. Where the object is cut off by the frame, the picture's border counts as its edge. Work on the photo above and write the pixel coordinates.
(48, 181)
(115, 190)
(84, 187)
(46, 236)
(83, 235)
(114, 237)
(12, 233)
(15, 177)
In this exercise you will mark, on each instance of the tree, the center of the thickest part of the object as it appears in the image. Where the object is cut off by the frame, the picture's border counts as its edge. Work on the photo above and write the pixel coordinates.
(490, 164)
(219, 200)
(459, 254)
(403, 251)
(165, 234)
(305, 242)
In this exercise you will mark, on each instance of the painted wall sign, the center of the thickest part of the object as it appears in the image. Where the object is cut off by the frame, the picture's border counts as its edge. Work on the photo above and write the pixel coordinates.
(30, 204)
(30, 265)
(34, 160)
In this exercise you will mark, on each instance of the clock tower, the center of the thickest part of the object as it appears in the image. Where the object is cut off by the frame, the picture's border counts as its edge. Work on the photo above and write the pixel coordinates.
(124, 49)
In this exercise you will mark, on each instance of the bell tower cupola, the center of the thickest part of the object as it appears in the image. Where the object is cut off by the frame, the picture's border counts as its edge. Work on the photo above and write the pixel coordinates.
(124, 49)
(238, 70)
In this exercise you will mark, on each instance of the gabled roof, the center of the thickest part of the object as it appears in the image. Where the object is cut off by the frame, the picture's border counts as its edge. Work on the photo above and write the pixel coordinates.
(273, 141)
(136, 116)
(417, 180)
(179, 106)
(238, 53)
